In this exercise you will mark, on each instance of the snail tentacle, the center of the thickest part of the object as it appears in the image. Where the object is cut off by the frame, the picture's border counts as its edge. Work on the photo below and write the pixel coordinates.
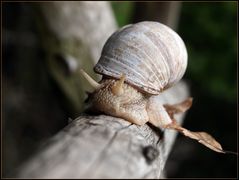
(117, 89)
(91, 81)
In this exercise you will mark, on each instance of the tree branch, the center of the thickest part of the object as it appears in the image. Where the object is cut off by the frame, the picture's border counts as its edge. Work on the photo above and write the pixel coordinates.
(106, 147)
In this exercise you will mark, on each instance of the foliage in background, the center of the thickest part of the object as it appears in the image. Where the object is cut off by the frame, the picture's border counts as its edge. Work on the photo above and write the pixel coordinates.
(123, 12)
(209, 31)
(210, 34)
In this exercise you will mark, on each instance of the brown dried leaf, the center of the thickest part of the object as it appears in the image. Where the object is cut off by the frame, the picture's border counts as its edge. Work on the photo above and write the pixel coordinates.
(178, 108)
(205, 139)
(202, 137)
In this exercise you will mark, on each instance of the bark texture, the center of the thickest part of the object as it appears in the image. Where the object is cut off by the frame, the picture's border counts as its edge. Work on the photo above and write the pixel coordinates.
(106, 147)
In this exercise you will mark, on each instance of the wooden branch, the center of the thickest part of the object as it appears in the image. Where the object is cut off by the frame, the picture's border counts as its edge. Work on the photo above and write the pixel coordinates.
(106, 147)
(73, 34)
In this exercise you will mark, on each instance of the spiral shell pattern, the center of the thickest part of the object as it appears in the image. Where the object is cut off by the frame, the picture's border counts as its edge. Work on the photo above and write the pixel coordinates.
(151, 55)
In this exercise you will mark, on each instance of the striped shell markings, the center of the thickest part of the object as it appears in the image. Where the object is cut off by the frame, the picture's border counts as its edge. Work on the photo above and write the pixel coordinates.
(151, 55)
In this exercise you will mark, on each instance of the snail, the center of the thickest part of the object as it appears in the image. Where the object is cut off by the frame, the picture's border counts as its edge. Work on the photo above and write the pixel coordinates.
(138, 62)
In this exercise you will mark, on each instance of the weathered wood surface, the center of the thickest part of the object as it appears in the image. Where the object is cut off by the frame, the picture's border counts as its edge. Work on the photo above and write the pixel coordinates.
(106, 147)
(73, 34)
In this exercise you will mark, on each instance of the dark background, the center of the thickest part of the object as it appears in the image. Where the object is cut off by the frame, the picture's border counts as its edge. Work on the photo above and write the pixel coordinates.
(209, 30)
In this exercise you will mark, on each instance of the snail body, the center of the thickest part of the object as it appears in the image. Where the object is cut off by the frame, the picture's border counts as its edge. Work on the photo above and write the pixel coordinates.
(129, 104)
(138, 62)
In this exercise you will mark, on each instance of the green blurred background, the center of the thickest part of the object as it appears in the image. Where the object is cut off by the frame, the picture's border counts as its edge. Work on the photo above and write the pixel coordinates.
(209, 30)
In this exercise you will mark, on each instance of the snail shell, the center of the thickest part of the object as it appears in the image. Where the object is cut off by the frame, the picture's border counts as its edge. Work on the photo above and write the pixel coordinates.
(151, 55)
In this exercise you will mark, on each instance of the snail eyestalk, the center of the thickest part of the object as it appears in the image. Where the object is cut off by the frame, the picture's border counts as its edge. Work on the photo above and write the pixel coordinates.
(117, 89)
(91, 81)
